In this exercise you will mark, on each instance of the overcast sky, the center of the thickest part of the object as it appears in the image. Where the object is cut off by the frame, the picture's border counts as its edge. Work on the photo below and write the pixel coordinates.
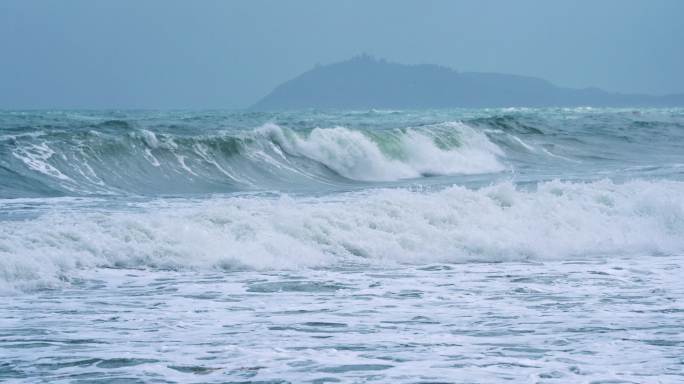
(228, 54)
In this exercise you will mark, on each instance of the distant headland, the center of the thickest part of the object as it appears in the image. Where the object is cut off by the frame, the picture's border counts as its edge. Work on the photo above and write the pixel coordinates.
(365, 82)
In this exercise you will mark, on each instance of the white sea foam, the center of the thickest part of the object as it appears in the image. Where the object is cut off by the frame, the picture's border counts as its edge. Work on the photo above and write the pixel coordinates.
(36, 157)
(355, 155)
(558, 220)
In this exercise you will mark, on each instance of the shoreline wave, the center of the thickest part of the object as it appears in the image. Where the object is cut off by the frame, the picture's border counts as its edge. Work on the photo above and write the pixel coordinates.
(554, 221)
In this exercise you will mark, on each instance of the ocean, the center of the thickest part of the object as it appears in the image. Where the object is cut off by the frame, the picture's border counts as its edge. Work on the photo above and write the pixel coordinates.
(430, 246)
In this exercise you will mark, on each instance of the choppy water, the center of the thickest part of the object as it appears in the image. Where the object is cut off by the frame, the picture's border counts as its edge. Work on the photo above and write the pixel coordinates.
(386, 246)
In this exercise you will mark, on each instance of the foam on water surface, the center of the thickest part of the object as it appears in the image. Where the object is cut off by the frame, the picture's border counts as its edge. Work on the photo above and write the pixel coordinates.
(608, 320)
(523, 245)
(555, 220)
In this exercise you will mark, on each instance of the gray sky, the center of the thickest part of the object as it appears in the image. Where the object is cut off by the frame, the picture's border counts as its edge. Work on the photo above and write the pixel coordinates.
(228, 54)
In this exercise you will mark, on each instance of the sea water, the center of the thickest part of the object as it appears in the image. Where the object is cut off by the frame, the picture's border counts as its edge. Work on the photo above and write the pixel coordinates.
(436, 246)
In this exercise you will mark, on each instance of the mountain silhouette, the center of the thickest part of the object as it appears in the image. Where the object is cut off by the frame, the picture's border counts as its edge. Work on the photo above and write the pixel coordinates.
(365, 82)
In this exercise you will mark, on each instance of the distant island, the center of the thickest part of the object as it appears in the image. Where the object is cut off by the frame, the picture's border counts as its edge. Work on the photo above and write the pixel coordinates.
(365, 82)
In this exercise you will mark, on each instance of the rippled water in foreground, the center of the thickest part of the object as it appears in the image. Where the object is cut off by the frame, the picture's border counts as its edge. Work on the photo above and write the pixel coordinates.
(615, 320)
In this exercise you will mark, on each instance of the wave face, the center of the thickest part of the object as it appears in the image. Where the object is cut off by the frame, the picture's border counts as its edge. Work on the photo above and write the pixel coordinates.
(556, 220)
(394, 155)
(145, 153)
(140, 161)
(239, 190)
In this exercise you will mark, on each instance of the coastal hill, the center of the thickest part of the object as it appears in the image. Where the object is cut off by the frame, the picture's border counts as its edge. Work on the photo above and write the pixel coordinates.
(365, 82)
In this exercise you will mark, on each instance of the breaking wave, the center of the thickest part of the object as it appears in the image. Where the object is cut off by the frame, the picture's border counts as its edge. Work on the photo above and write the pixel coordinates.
(555, 220)
(120, 159)
(447, 149)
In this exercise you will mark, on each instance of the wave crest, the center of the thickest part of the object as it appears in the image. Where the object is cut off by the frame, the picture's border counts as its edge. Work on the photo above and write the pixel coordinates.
(269, 157)
(392, 155)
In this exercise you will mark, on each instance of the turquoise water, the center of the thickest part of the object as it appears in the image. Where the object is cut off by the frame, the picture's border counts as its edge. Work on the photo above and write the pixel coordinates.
(536, 245)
